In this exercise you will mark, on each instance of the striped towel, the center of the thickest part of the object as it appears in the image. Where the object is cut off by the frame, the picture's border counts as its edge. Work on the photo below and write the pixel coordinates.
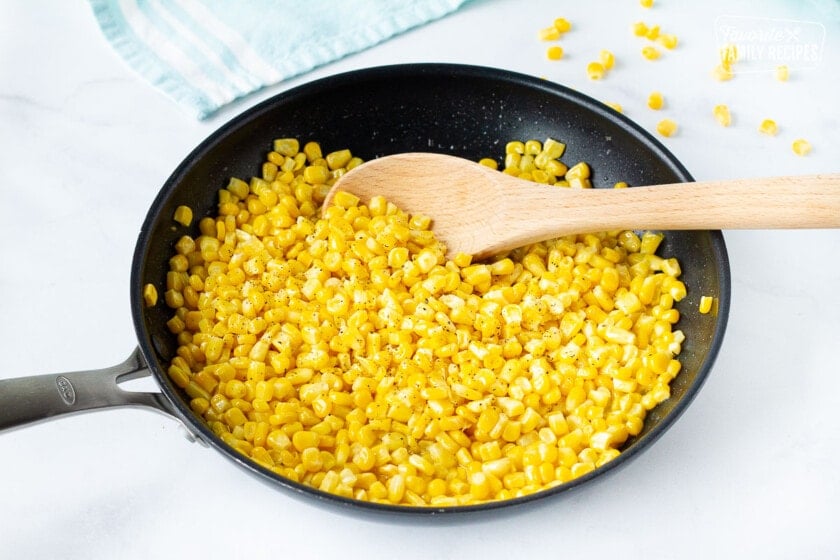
(205, 54)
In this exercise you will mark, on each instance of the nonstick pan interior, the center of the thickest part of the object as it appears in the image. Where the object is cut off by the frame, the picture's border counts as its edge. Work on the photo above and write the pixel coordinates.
(465, 111)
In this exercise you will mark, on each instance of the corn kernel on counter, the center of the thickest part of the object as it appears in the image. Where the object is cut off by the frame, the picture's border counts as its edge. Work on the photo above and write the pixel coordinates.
(343, 351)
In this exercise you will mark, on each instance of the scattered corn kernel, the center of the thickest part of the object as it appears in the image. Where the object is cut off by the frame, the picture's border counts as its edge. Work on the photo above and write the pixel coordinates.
(706, 304)
(721, 113)
(666, 127)
(614, 106)
(640, 29)
(343, 351)
(668, 40)
(655, 100)
(801, 147)
(554, 52)
(607, 59)
(722, 73)
(782, 73)
(650, 52)
(769, 127)
(562, 25)
(652, 32)
(549, 34)
(646, 3)
(729, 54)
(595, 70)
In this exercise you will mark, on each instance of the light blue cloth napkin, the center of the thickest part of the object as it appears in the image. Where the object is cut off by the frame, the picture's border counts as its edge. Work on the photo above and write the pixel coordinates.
(205, 54)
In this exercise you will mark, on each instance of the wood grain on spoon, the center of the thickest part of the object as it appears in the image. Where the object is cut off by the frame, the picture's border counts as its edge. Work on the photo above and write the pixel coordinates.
(480, 211)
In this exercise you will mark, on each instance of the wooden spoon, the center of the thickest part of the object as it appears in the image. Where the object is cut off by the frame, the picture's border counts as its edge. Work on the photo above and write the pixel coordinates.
(480, 211)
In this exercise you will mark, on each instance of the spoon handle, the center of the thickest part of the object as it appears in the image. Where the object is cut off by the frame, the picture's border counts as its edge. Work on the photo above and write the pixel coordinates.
(808, 201)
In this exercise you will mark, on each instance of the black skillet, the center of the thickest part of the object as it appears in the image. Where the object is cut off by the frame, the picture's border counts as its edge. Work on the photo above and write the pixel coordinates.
(462, 110)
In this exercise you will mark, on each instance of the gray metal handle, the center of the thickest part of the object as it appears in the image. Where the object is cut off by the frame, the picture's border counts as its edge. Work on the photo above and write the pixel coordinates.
(27, 400)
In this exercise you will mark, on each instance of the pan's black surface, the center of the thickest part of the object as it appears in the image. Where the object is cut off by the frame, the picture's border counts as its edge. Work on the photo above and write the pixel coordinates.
(466, 111)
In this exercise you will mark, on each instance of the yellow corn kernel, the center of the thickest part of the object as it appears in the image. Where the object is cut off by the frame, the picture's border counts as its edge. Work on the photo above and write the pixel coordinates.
(782, 73)
(269, 171)
(640, 29)
(150, 295)
(652, 33)
(614, 106)
(722, 115)
(313, 151)
(595, 70)
(477, 274)
(801, 147)
(650, 242)
(768, 127)
(722, 72)
(554, 52)
(354, 162)
(396, 488)
(705, 304)
(549, 34)
(646, 3)
(487, 420)
(650, 52)
(655, 101)
(502, 267)
(237, 187)
(176, 325)
(666, 127)
(515, 147)
(668, 40)
(179, 376)
(620, 185)
(174, 298)
(234, 417)
(345, 199)
(512, 431)
(338, 159)
(311, 459)
(183, 215)
(288, 147)
(489, 162)
(578, 171)
(480, 487)
(562, 25)
(607, 59)
(729, 54)
(671, 267)
(580, 469)
(552, 148)
(303, 439)
(316, 175)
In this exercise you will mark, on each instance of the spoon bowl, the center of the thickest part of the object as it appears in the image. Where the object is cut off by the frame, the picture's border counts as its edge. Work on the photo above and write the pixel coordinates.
(481, 212)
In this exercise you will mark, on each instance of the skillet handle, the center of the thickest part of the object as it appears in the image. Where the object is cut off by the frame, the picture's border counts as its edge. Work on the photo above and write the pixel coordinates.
(28, 400)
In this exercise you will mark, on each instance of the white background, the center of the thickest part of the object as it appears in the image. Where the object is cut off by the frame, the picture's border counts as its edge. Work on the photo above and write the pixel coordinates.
(749, 471)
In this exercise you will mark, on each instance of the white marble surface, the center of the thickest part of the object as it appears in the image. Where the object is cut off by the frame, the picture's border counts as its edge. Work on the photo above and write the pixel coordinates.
(749, 471)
